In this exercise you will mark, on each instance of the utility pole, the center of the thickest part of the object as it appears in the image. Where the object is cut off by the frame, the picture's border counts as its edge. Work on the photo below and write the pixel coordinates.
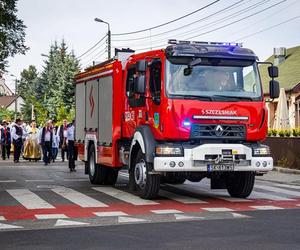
(108, 36)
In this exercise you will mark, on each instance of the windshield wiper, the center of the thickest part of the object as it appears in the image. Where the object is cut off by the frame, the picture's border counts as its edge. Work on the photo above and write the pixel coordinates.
(233, 98)
(194, 97)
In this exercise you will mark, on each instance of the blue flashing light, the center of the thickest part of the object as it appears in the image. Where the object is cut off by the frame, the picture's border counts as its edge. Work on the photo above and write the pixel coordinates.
(187, 123)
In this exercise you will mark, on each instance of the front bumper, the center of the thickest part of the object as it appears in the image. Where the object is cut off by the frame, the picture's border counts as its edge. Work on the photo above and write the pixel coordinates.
(195, 160)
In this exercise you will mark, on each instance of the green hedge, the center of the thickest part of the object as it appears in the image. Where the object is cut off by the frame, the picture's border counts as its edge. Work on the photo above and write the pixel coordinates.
(295, 132)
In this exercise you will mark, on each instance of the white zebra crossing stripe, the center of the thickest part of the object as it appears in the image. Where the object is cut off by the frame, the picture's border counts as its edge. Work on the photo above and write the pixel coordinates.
(166, 211)
(7, 226)
(60, 223)
(180, 198)
(279, 190)
(109, 214)
(124, 196)
(29, 199)
(218, 209)
(51, 216)
(78, 198)
(288, 186)
(186, 217)
(259, 195)
(130, 220)
(266, 207)
(7, 181)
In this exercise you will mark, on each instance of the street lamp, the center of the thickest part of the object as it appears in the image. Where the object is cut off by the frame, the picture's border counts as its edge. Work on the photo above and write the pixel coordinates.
(108, 36)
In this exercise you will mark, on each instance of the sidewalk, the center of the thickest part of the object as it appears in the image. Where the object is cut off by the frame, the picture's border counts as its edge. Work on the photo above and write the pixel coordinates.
(282, 175)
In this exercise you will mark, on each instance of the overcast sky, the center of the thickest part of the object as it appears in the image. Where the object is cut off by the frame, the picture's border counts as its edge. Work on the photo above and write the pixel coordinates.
(73, 20)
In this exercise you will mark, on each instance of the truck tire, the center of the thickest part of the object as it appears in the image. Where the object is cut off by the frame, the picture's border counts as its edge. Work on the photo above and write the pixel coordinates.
(240, 184)
(173, 178)
(111, 177)
(141, 182)
(97, 173)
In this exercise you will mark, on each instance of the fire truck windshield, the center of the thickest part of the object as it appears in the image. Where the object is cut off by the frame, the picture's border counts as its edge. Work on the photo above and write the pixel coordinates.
(213, 79)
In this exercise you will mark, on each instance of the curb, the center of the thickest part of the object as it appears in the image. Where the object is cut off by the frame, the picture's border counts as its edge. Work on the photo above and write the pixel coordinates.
(286, 170)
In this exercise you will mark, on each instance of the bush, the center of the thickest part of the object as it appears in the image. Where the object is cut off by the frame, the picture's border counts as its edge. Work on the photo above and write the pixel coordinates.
(269, 132)
(287, 132)
(281, 133)
(274, 132)
(294, 132)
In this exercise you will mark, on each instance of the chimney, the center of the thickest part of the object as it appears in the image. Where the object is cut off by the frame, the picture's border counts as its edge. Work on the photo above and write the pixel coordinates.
(279, 55)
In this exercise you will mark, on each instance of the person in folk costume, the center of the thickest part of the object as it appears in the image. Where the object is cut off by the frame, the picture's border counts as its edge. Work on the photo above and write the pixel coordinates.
(32, 148)
(5, 140)
(62, 132)
(17, 134)
(71, 145)
(46, 142)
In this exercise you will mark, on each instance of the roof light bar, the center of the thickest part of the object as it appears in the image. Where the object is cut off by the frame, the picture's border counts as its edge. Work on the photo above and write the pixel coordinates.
(174, 41)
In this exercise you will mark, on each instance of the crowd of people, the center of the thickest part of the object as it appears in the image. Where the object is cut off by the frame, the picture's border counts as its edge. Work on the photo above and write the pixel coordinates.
(35, 143)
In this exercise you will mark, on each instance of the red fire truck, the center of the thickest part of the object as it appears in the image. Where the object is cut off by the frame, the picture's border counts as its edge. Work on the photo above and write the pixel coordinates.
(188, 111)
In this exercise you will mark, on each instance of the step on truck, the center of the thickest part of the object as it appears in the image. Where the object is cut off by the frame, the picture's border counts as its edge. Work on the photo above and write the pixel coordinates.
(190, 111)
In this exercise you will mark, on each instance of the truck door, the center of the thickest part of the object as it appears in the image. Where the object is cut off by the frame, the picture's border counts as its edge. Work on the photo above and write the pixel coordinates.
(153, 103)
(134, 104)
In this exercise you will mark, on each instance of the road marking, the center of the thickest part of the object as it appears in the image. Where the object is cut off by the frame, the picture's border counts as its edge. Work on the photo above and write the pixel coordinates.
(129, 220)
(186, 217)
(39, 180)
(2, 218)
(266, 207)
(7, 226)
(77, 197)
(7, 181)
(29, 199)
(237, 215)
(166, 211)
(259, 195)
(60, 223)
(108, 214)
(217, 209)
(124, 196)
(288, 186)
(279, 190)
(51, 216)
(74, 179)
(180, 198)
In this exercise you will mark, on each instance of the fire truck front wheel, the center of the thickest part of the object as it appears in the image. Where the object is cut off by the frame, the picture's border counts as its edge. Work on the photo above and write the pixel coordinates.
(240, 184)
(97, 173)
(141, 182)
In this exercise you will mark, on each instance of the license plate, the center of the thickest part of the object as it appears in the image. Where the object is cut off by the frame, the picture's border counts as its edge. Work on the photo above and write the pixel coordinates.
(219, 167)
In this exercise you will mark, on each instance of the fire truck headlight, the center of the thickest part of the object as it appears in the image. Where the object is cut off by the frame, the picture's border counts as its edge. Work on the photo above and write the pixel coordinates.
(262, 150)
(163, 150)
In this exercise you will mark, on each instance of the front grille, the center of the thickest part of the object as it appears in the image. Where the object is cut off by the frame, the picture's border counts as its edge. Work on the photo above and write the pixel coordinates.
(218, 131)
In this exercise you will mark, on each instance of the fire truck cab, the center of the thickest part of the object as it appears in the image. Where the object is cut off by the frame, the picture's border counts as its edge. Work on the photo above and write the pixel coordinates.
(186, 112)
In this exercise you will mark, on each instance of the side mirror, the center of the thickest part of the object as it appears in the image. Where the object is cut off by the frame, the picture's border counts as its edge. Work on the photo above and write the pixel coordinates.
(140, 84)
(141, 66)
(273, 71)
(274, 89)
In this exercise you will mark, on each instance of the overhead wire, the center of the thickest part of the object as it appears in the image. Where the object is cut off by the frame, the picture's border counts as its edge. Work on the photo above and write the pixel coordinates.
(95, 45)
(184, 26)
(166, 23)
(221, 20)
(221, 27)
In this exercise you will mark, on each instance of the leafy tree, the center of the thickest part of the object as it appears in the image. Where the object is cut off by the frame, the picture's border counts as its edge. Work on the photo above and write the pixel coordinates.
(7, 115)
(12, 32)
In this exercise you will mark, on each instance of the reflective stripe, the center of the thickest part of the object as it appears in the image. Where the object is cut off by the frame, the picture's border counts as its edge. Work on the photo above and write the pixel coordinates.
(217, 117)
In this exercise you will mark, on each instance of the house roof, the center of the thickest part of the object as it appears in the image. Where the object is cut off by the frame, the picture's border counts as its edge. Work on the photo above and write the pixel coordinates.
(7, 100)
(289, 70)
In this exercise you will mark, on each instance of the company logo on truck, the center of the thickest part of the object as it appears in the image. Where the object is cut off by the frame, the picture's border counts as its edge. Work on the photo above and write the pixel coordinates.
(92, 103)
(218, 112)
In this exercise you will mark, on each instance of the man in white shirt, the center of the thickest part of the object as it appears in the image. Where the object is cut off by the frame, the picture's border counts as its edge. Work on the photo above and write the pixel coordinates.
(62, 132)
(46, 142)
(71, 145)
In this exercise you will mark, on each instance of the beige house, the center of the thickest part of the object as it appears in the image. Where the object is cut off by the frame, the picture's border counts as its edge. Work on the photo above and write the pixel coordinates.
(288, 62)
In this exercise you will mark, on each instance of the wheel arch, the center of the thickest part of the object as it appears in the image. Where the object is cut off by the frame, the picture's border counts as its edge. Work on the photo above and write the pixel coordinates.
(142, 139)
(89, 140)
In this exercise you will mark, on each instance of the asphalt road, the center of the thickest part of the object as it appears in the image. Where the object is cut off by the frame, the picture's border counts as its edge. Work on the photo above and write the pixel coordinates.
(47, 207)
